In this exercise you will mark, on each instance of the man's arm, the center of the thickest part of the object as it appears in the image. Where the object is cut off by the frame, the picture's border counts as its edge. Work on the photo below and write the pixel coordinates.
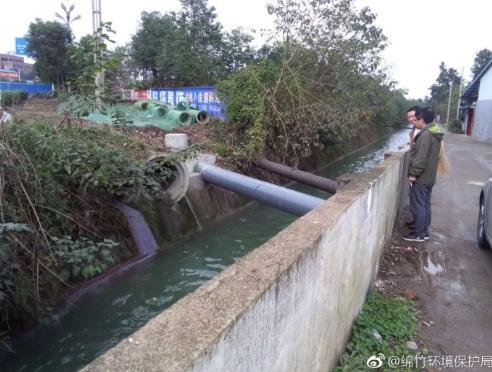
(419, 163)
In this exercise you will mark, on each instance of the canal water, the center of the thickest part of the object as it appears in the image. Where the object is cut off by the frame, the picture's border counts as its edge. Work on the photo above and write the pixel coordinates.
(115, 310)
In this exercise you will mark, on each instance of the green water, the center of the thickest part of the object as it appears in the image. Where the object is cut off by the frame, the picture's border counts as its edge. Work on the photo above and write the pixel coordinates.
(116, 309)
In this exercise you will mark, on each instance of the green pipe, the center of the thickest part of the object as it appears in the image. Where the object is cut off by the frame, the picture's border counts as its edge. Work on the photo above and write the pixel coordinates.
(142, 105)
(199, 116)
(159, 111)
(179, 117)
(182, 106)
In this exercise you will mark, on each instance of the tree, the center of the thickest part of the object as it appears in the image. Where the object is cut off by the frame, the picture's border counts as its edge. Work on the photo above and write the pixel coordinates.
(47, 43)
(333, 29)
(482, 58)
(204, 37)
(440, 90)
(187, 48)
(152, 47)
(86, 66)
(316, 87)
(125, 75)
(237, 51)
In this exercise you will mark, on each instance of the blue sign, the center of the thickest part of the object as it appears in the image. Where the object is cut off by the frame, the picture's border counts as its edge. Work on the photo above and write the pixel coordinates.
(20, 46)
(27, 87)
(205, 98)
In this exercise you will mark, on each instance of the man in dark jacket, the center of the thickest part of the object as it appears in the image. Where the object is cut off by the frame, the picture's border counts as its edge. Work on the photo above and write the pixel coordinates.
(422, 170)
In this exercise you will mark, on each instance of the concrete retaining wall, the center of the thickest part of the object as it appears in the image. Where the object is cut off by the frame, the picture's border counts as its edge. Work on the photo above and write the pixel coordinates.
(206, 204)
(289, 305)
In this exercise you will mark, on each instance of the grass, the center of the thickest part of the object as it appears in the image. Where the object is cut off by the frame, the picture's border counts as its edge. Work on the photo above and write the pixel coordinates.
(395, 320)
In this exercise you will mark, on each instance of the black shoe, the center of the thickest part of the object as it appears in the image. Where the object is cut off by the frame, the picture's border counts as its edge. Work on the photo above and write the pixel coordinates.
(426, 237)
(414, 238)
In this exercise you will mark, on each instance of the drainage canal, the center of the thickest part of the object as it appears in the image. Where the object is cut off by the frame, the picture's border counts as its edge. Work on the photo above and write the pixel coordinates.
(116, 309)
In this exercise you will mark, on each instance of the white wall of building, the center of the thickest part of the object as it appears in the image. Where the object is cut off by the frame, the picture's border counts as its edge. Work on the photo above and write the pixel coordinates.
(482, 128)
(485, 91)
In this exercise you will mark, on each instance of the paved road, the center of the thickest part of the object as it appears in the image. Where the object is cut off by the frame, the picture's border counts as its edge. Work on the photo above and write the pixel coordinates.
(454, 277)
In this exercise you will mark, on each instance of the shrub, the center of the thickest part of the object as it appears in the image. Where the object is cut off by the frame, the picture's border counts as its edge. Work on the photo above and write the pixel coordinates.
(78, 260)
(244, 92)
(13, 97)
(455, 127)
(56, 223)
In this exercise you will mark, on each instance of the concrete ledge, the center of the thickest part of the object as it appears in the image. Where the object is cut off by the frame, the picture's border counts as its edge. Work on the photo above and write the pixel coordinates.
(289, 304)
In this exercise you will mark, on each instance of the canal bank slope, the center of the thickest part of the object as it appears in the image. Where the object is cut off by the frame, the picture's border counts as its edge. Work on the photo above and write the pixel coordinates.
(449, 276)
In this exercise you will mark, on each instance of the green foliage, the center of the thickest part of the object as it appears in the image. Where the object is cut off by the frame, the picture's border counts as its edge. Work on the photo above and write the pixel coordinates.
(47, 43)
(455, 127)
(160, 172)
(89, 159)
(188, 47)
(92, 56)
(244, 92)
(13, 97)
(236, 51)
(153, 47)
(120, 119)
(440, 91)
(77, 105)
(7, 262)
(482, 58)
(315, 90)
(8, 272)
(394, 319)
(85, 159)
(82, 259)
(203, 34)
(60, 182)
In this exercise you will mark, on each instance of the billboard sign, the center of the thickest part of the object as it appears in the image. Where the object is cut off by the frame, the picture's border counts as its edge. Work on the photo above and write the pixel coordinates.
(205, 98)
(7, 74)
(20, 46)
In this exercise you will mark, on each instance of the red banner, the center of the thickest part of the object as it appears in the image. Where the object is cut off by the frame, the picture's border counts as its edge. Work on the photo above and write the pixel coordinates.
(5, 74)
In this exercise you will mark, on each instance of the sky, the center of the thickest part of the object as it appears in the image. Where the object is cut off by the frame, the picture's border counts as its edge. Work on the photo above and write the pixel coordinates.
(421, 33)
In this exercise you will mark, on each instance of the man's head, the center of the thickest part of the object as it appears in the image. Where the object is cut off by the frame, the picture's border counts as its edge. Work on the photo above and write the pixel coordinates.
(423, 117)
(411, 114)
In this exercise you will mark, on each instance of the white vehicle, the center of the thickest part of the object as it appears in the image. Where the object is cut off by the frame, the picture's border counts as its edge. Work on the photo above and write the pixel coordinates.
(484, 225)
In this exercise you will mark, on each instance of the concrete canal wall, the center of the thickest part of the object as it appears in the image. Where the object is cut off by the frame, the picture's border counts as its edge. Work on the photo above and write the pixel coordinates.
(290, 304)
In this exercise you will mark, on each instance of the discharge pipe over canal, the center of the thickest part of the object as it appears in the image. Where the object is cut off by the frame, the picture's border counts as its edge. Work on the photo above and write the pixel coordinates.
(295, 174)
(276, 196)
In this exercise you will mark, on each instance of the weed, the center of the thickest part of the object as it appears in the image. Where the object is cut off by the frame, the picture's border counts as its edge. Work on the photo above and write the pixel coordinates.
(394, 319)
(57, 227)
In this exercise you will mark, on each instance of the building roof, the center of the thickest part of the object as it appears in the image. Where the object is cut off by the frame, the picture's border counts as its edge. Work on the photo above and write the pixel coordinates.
(11, 57)
(471, 91)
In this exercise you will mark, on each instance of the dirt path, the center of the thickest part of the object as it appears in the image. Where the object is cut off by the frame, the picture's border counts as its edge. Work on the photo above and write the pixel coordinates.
(449, 276)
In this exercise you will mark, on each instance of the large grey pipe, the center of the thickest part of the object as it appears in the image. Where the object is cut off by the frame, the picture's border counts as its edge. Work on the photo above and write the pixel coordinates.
(276, 196)
(299, 175)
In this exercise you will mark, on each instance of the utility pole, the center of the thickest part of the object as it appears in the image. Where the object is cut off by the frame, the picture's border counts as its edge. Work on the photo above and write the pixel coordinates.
(96, 24)
(459, 95)
(96, 15)
(449, 101)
